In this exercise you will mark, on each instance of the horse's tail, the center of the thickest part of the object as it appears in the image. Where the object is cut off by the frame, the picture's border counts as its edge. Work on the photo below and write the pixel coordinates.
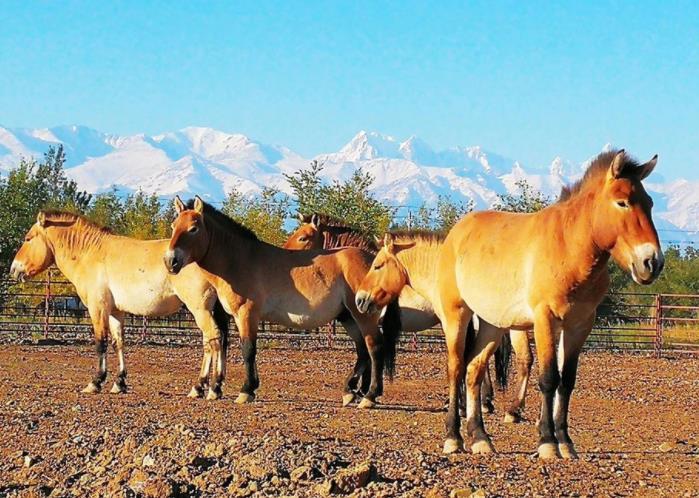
(391, 326)
(502, 360)
(222, 321)
(470, 340)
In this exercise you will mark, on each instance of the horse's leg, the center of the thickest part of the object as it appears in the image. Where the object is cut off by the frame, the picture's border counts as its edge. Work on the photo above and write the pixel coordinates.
(359, 373)
(455, 324)
(247, 327)
(116, 328)
(100, 323)
(569, 348)
(213, 356)
(487, 341)
(524, 361)
(487, 393)
(374, 343)
(545, 329)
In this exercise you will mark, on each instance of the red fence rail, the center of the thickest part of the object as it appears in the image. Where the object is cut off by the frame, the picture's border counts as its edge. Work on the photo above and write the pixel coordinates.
(50, 309)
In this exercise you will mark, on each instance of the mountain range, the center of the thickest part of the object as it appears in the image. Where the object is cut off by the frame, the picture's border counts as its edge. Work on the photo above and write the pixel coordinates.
(406, 173)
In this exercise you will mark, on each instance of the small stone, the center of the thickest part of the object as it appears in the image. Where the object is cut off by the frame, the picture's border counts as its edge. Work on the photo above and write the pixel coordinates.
(148, 461)
(666, 447)
(479, 493)
(29, 461)
(460, 493)
(303, 473)
(352, 478)
(158, 487)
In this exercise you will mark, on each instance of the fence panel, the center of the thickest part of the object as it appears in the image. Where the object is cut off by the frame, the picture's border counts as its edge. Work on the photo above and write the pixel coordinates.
(50, 309)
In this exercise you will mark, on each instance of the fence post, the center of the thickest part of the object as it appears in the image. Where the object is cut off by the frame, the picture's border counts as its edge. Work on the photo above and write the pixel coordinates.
(658, 325)
(144, 330)
(47, 300)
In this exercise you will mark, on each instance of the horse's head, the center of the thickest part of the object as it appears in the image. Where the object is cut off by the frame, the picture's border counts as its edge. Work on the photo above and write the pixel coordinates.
(385, 279)
(307, 236)
(622, 221)
(36, 253)
(190, 238)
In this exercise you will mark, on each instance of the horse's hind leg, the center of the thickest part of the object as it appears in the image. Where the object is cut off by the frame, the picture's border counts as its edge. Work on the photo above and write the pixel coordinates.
(524, 361)
(487, 392)
(486, 343)
(455, 325)
(247, 327)
(100, 323)
(116, 328)
(359, 379)
(214, 356)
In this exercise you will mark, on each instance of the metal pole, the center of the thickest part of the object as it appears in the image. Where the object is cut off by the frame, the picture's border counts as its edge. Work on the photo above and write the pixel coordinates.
(47, 300)
(658, 325)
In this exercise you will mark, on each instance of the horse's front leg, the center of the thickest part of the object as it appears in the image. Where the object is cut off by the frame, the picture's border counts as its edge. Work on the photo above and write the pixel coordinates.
(455, 327)
(487, 392)
(214, 356)
(359, 379)
(247, 327)
(545, 329)
(374, 344)
(569, 347)
(116, 328)
(100, 323)
(523, 362)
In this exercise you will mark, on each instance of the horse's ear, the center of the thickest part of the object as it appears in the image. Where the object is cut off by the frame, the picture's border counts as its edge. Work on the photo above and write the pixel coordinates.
(41, 219)
(315, 220)
(388, 240)
(301, 218)
(647, 168)
(400, 246)
(198, 204)
(379, 241)
(179, 205)
(618, 163)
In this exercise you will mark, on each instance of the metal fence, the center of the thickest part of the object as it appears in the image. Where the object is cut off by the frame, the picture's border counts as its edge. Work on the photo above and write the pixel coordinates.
(49, 309)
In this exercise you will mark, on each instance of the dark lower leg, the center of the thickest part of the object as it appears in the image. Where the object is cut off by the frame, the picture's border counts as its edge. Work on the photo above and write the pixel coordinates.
(453, 421)
(359, 372)
(487, 393)
(101, 374)
(120, 380)
(517, 405)
(474, 417)
(549, 379)
(376, 355)
(218, 363)
(563, 400)
(248, 348)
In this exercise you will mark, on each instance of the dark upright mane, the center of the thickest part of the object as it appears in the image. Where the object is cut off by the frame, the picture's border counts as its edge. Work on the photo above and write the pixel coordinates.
(56, 216)
(328, 220)
(598, 168)
(430, 236)
(224, 221)
(337, 233)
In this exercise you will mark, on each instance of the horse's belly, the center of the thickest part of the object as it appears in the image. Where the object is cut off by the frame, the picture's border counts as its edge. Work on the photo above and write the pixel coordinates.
(301, 314)
(504, 313)
(148, 301)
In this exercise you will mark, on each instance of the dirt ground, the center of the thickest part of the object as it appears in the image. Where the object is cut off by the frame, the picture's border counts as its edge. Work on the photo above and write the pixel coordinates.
(635, 420)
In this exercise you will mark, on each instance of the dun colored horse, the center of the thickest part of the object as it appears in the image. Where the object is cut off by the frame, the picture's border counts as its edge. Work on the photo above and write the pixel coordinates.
(408, 259)
(300, 289)
(547, 270)
(320, 231)
(114, 275)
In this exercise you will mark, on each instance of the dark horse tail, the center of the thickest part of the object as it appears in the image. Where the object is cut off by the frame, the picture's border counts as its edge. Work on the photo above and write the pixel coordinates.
(502, 360)
(391, 326)
(222, 321)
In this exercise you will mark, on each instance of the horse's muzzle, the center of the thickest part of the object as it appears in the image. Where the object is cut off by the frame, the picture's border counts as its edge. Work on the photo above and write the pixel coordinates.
(363, 301)
(172, 262)
(17, 271)
(647, 264)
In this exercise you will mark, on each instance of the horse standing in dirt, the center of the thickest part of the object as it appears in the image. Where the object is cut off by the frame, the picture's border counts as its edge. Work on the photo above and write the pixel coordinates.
(114, 275)
(300, 289)
(320, 231)
(547, 270)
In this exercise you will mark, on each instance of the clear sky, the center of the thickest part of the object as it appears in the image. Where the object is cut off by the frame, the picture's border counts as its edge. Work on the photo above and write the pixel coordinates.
(529, 80)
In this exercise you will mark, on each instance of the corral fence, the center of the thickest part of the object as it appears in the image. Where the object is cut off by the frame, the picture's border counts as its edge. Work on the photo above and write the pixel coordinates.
(48, 309)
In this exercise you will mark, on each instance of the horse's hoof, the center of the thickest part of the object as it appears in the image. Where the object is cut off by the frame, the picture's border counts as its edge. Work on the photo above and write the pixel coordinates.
(91, 388)
(567, 450)
(548, 451)
(196, 393)
(213, 395)
(347, 399)
(488, 407)
(482, 447)
(512, 418)
(453, 446)
(366, 404)
(118, 389)
(244, 398)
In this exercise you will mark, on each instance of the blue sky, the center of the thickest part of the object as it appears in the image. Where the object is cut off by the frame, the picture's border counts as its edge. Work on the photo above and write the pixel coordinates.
(529, 80)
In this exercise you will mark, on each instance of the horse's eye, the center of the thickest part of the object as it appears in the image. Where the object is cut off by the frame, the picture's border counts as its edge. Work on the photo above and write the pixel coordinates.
(303, 239)
(622, 204)
(378, 267)
(193, 229)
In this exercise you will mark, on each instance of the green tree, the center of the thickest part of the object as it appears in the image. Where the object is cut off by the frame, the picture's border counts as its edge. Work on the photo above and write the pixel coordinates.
(141, 218)
(348, 200)
(107, 209)
(526, 200)
(264, 214)
(439, 218)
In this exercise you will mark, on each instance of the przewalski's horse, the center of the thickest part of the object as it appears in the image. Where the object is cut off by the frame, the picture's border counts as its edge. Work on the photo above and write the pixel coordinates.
(547, 270)
(408, 259)
(320, 231)
(114, 275)
(300, 289)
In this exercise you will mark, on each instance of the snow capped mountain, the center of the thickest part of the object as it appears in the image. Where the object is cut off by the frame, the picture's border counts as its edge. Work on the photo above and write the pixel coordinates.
(407, 173)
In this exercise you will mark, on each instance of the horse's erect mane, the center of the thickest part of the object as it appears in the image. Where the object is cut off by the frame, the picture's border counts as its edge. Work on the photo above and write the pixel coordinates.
(57, 216)
(419, 235)
(224, 220)
(599, 168)
(328, 220)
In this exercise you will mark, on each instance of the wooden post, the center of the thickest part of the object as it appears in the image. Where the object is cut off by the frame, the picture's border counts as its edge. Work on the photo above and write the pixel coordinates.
(658, 343)
(47, 301)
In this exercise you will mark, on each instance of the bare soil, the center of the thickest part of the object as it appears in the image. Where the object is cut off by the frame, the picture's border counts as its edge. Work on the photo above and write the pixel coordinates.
(635, 420)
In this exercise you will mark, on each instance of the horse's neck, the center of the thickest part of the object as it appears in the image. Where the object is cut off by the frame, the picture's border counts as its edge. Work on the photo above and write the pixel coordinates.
(334, 237)
(70, 248)
(420, 261)
(587, 262)
(229, 253)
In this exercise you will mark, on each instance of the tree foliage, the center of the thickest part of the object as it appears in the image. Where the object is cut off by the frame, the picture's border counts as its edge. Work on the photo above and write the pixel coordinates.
(440, 218)
(525, 200)
(348, 200)
(264, 214)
